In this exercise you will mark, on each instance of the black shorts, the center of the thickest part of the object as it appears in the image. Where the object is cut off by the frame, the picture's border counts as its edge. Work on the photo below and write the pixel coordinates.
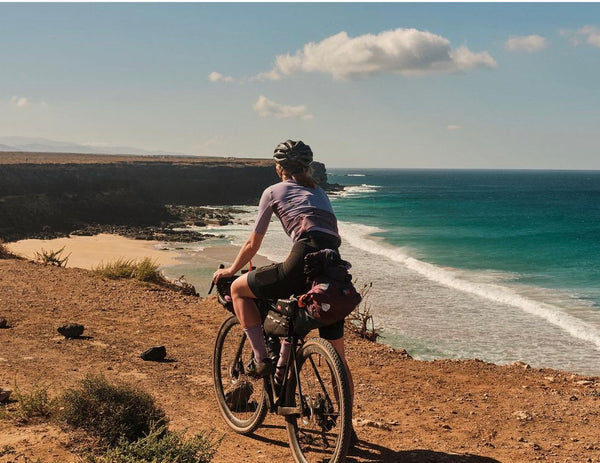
(284, 279)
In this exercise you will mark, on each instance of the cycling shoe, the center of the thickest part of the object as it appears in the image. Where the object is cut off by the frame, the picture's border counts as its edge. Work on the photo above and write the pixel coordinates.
(260, 369)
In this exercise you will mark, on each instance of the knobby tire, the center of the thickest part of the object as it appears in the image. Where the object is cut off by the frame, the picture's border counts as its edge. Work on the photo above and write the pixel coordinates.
(247, 406)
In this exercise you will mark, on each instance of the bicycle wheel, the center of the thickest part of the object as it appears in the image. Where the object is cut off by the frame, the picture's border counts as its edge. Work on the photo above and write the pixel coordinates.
(322, 431)
(241, 399)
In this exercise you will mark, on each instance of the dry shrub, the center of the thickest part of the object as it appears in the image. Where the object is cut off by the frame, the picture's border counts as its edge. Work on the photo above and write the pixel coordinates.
(160, 445)
(31, 405)
(145, 270)
(361, 320)
(119, 268)
(5, 252)
(185, 287)
(54, 258)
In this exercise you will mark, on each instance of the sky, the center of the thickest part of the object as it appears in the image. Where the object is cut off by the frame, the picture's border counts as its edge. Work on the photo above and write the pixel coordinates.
(397, 85)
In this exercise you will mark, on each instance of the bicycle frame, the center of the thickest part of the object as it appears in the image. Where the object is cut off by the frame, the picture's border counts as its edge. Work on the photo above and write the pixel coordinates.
(276, 404)
(317, 414)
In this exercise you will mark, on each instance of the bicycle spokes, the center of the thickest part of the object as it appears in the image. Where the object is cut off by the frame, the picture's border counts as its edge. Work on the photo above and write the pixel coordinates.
(320, 432)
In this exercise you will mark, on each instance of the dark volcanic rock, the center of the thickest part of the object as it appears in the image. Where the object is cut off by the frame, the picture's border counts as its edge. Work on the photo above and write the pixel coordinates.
(3, 323)
(154, 354)
(4, 394)
(71, 330)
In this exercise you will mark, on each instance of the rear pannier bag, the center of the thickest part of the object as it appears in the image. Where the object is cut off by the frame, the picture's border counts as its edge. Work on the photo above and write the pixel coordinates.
(332, 295)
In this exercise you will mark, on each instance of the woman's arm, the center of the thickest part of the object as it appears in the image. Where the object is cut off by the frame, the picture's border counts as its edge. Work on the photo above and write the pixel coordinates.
(246, 253)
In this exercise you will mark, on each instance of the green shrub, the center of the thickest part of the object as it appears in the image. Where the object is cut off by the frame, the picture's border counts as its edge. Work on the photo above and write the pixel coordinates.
(110, 411)
(160, 445)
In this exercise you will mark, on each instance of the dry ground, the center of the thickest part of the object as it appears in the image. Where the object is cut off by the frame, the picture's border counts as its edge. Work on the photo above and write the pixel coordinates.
(406, 410)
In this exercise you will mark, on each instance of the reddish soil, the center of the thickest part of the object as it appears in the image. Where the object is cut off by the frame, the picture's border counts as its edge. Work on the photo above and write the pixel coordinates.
(406, 410)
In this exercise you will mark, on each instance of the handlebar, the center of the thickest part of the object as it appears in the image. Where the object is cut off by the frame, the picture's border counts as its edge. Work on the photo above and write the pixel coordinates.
(212, 285)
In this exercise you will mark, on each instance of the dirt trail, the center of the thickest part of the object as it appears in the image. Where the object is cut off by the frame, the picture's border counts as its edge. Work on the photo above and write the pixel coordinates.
(406, 410)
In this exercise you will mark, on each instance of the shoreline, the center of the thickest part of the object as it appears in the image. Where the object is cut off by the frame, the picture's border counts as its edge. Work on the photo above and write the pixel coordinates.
(197, 266)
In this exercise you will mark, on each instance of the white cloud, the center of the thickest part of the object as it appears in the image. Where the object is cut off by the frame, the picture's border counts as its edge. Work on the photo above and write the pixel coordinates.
(585, 34)
(218, 77)
(454, 127)
(19, 101)
(269, 75)
(526, 43)
(400, 51)
(267, 108)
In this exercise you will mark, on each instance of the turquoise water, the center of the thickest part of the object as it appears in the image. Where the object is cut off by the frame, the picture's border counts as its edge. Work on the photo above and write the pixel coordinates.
(541, 228)
(502, 266)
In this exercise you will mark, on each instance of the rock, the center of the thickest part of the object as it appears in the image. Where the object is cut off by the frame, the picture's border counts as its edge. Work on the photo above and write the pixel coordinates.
(3, 323)
(154, 354)
(360, 422)
(522, 415)
(71, 330)
(4, 394)
(521, 365)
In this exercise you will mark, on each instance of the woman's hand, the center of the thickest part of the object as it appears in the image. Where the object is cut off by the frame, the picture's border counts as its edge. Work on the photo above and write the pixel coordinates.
(222, 273)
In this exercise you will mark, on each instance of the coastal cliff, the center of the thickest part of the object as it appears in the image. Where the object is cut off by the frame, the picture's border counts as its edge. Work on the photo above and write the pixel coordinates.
(47, 194)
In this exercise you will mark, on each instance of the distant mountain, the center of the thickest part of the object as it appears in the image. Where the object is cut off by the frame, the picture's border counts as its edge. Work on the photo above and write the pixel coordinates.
(43, 145)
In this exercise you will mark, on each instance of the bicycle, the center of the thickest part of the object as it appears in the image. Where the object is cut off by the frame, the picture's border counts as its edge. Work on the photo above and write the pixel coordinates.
(314, 397)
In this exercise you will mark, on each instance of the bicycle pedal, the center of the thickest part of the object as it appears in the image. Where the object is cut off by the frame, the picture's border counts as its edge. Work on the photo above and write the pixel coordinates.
(289, 411)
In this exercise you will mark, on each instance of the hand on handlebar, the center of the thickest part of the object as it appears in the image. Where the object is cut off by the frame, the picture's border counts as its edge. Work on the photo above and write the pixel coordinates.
(222, 273)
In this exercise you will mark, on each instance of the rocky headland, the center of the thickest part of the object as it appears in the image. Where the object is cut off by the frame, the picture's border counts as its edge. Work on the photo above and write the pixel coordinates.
(49, 195)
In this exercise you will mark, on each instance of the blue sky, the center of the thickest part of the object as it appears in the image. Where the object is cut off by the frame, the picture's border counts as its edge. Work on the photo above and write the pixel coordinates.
(430, 85)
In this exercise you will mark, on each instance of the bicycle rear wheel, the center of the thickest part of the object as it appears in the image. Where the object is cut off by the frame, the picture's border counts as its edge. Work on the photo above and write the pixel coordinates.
(242, 400)
(322, 431)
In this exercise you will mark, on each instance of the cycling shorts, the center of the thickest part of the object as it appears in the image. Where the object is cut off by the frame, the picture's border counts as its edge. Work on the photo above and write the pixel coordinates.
(284, 279)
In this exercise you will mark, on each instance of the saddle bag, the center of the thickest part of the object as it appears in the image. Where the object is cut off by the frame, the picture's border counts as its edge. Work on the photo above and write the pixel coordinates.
(332, 295)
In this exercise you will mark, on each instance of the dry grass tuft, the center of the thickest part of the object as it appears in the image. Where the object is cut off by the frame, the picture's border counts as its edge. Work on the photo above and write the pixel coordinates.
(54, 258)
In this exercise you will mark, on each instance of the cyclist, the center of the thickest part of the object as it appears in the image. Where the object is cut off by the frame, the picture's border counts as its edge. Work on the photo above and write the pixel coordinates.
(308, 218)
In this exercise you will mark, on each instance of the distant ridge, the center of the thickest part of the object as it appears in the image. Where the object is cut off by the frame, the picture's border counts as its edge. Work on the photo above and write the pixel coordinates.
(43, 145)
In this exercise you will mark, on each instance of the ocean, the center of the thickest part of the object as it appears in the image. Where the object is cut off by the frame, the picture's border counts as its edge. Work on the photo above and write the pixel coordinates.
(502, 266)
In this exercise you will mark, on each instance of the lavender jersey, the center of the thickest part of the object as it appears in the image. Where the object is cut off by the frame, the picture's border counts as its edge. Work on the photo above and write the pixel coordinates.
(300, 209)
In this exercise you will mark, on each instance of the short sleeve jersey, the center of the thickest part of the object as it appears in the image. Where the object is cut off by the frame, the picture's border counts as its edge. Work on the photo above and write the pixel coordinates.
(300, 209)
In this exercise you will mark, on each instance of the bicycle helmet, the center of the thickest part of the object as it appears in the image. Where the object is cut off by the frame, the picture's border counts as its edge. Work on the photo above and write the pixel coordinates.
(290, 153)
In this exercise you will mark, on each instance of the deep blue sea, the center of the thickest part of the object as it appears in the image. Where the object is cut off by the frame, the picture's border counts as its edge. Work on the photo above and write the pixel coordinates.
(502, 266)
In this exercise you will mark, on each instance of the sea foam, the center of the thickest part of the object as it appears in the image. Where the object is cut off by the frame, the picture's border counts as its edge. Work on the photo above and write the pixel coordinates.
(357, 190)
(361, 237)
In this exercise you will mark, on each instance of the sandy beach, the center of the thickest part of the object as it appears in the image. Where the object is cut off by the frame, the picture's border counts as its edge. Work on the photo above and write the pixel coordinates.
(88, 251)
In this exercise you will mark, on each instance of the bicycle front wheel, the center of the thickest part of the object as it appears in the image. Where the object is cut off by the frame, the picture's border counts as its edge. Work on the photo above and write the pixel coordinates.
(321, 432)
(242, 400)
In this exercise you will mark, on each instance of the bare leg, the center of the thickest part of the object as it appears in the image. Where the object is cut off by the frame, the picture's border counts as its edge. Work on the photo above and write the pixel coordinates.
(249, 316)
(338, 345)
(243, 302)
